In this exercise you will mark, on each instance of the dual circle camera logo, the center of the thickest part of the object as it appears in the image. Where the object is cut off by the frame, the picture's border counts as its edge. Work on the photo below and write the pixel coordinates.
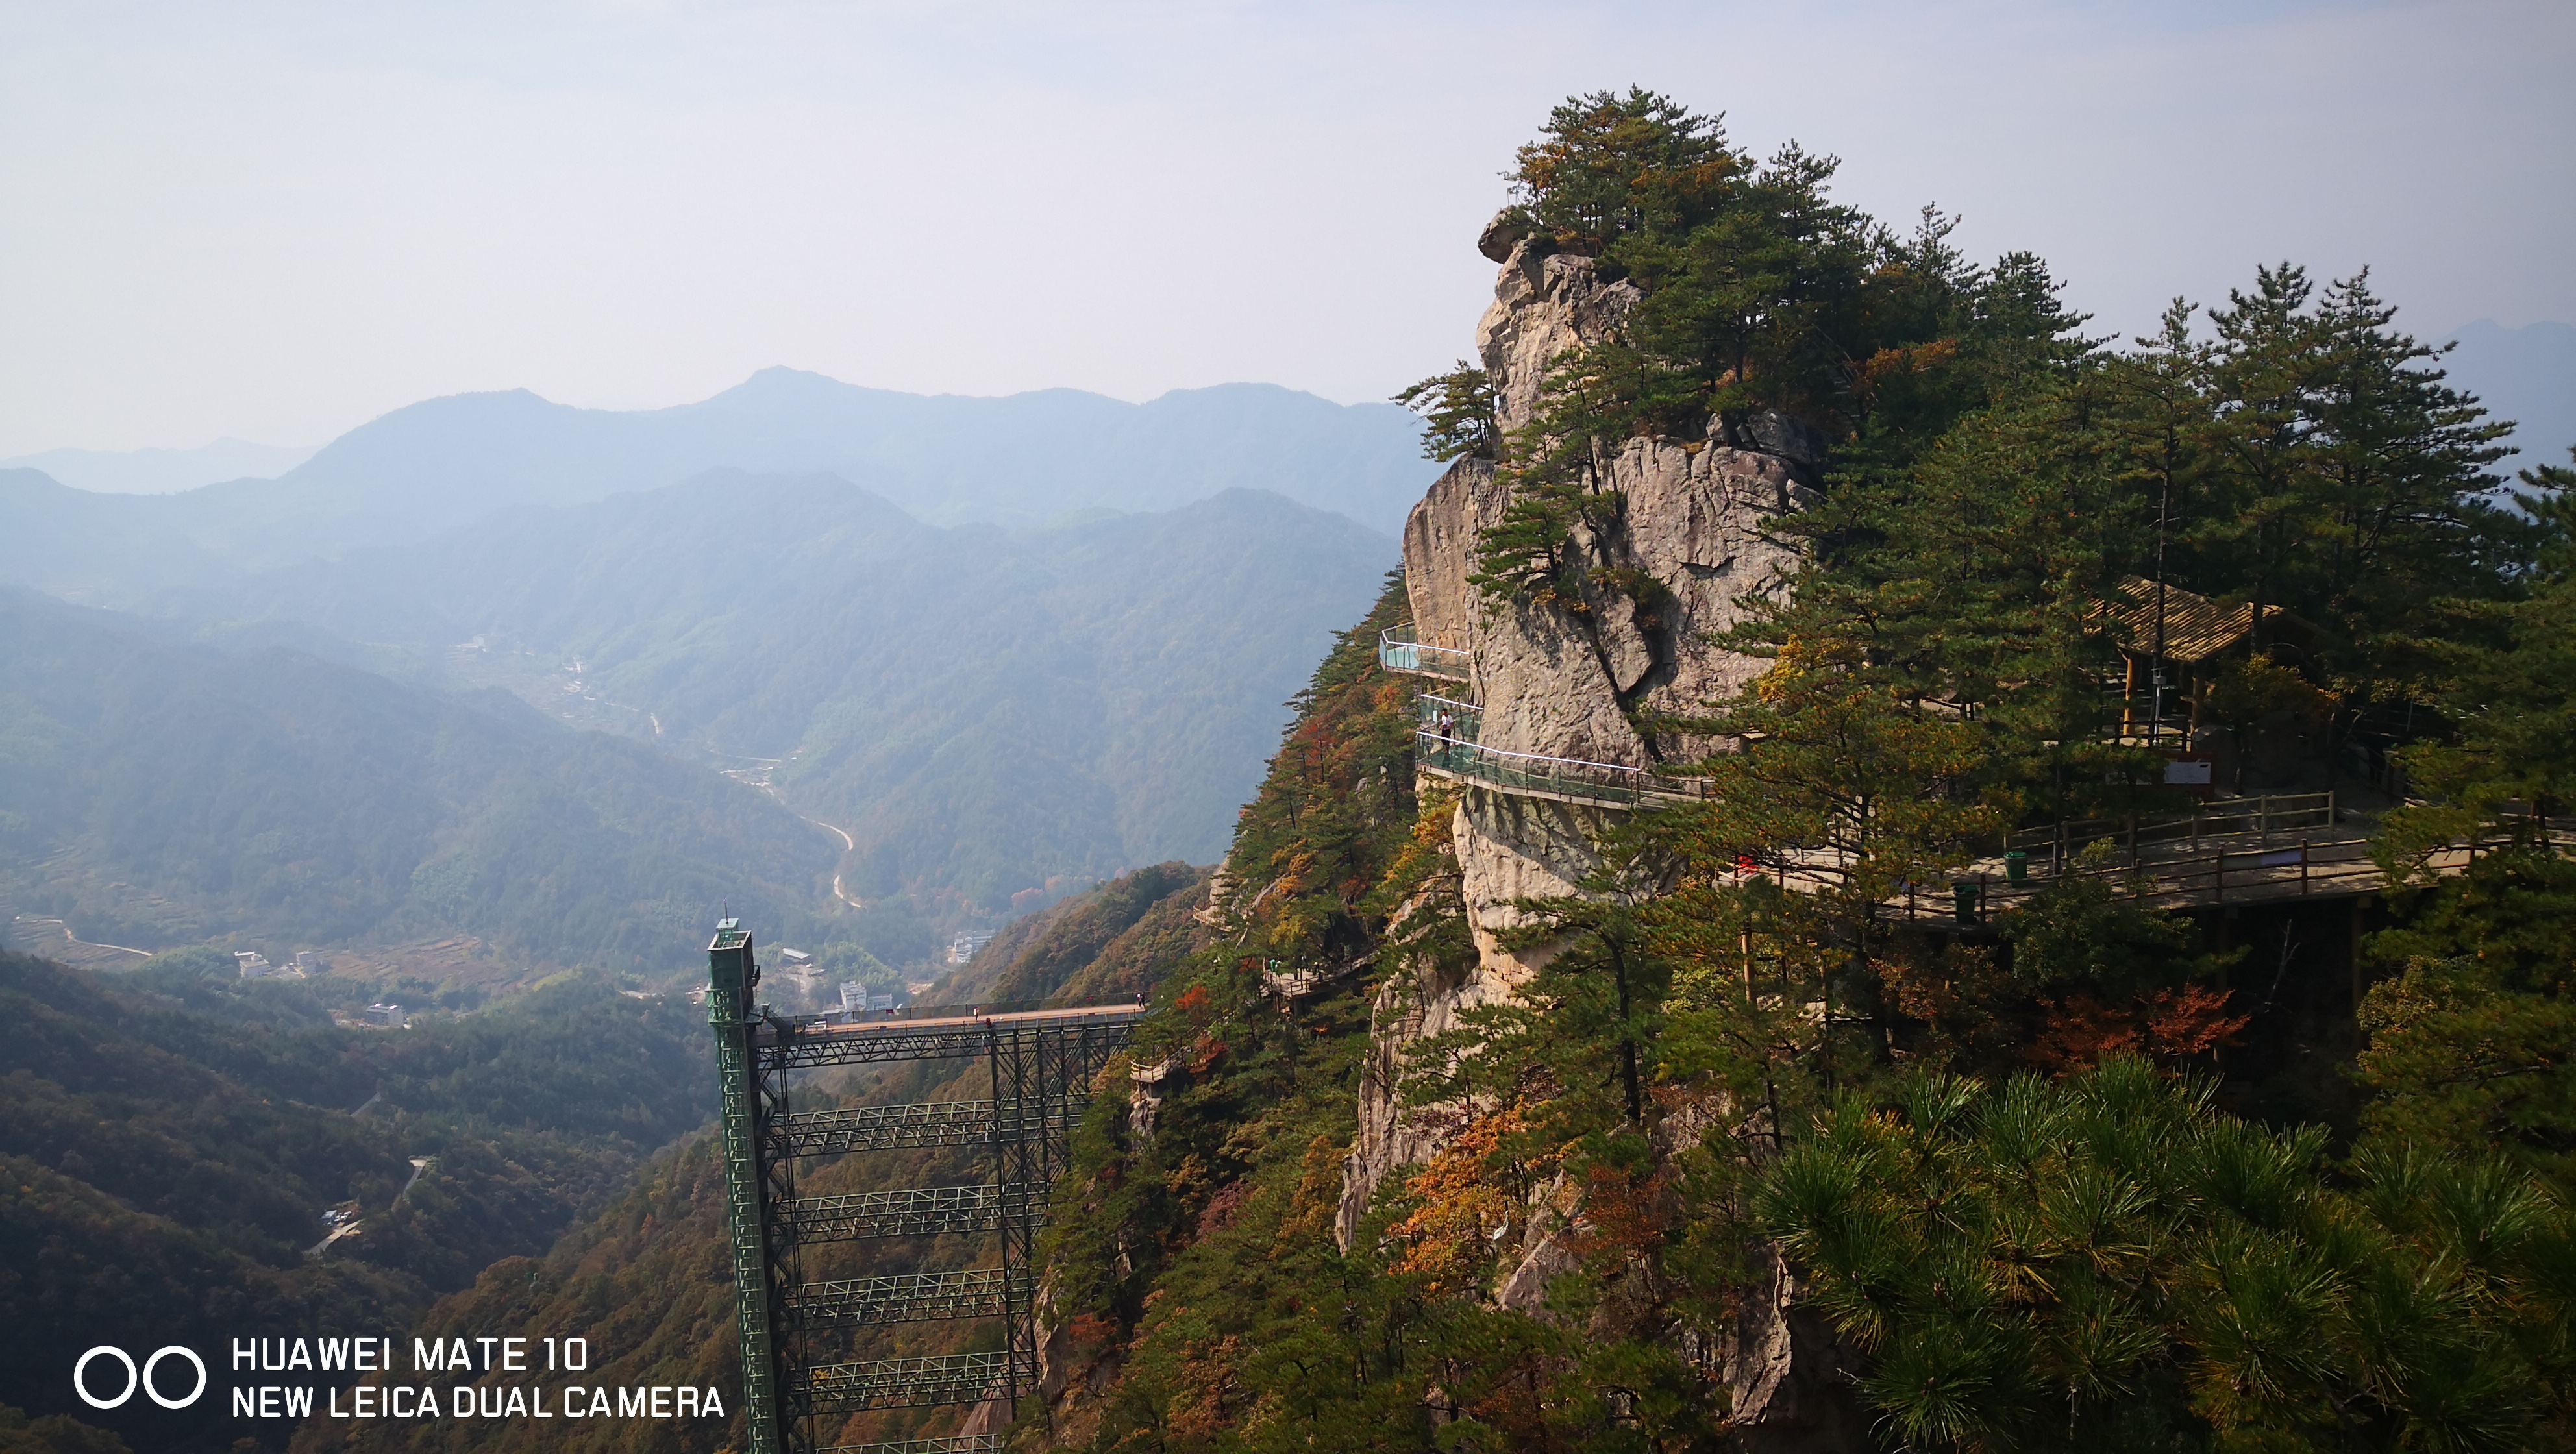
(142, 1378)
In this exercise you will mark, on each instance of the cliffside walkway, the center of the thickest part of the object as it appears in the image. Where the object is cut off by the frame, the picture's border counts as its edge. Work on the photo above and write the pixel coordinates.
(2234, 851)
(2231, 851)
(2213, 870)
(1399, 648)
(1558, 779)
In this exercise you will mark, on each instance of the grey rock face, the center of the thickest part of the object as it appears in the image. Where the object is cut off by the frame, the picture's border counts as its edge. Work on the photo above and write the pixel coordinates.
(1508, 849)
(1570, 680)
(1560, 683)
(1501, 235)
(1787, 1376)
(1566, 683)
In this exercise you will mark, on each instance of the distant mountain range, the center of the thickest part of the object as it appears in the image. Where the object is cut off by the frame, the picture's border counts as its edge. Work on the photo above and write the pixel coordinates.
(989, 713)
(156, 793)
(1009, 645)
(1025, 460)
(994, 716)
(161, 471)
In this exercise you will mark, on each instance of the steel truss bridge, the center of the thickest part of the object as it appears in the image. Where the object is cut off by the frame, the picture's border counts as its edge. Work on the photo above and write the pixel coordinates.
(800, 1378)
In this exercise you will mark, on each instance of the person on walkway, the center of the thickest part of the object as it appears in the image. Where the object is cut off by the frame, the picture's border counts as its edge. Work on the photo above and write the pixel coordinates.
(1445, 725)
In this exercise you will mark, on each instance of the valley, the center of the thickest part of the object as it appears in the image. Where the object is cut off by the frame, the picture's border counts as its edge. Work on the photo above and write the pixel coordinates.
(1797, 855)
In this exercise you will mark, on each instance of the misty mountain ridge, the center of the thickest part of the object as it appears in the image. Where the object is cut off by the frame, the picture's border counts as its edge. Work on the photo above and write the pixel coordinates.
(158, 794)
(987, 711)
(162, 471)
(1021, 460)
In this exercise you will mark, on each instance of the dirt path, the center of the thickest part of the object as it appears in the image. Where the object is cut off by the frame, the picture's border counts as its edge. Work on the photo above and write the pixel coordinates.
(38, 922)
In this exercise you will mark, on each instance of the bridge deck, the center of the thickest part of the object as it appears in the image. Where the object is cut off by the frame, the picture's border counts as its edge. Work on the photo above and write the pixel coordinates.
(1127, 1010)
(806, 1041)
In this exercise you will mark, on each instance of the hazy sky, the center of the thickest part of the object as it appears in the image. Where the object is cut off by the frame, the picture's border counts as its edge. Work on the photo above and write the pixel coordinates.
(275, 221)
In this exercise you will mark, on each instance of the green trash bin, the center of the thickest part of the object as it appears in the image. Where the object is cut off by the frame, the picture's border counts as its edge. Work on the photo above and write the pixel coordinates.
(2016, 867)
(1963, 900)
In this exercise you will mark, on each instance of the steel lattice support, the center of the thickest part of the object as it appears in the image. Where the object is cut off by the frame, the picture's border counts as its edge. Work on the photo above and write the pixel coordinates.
(763, 1260)
(1042, 1064)
(925, 1211)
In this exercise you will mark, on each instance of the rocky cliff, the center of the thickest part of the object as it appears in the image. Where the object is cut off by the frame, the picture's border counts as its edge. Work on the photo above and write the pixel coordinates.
(1587, 683)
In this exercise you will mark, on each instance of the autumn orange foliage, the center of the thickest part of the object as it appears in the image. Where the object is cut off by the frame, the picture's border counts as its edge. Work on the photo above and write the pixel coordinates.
(2165, 1024)
(1465, 1211)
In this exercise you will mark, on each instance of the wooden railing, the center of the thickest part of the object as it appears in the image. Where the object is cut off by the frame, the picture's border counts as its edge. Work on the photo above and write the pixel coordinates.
(2207, 875)
(2225, 817)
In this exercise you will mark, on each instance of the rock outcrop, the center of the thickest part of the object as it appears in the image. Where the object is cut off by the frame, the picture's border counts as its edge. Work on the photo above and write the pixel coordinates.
(1576, 684)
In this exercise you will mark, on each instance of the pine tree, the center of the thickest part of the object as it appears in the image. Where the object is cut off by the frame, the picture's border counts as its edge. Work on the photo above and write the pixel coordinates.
(2108, 1262)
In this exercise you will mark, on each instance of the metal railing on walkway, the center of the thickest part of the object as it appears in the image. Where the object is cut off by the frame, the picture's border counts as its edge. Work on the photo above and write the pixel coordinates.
(1400, 649)
(1567, 779)
(1466, 719)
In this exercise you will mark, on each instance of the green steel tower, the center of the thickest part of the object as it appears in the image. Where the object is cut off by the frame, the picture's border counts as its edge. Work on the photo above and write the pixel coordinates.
(747, 1111)
(800, 1372)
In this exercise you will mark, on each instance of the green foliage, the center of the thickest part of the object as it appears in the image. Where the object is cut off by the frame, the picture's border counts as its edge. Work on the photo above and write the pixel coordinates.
(53, 1434)
(2108, 1262)
(170, 1142)
(1761, 294)
(2468, 1042)
(1067, 957)
(2504, 672)
(1208, 1302)
(1607, 166)
(844, 962)
(1457, 410)
(1570, 1058)
(2346, 482)
(1334, 808)
(2083, 932)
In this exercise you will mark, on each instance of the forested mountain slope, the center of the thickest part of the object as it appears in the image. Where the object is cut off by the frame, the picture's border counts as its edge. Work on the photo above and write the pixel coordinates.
(989, 712)
(169, 1141)
(156, 794)
(1677, 1128)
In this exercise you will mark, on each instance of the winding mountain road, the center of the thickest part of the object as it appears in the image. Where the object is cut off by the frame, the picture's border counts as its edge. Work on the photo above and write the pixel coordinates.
(848, 845)
(758, 776)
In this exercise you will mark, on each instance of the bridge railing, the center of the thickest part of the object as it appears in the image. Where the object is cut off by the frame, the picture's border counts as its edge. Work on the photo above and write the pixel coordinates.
(2218, 874)
(958, 1009)
(2217, 871)
(2219, 818)
(1466, 719)
(1565, 777)
(1400, 648)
